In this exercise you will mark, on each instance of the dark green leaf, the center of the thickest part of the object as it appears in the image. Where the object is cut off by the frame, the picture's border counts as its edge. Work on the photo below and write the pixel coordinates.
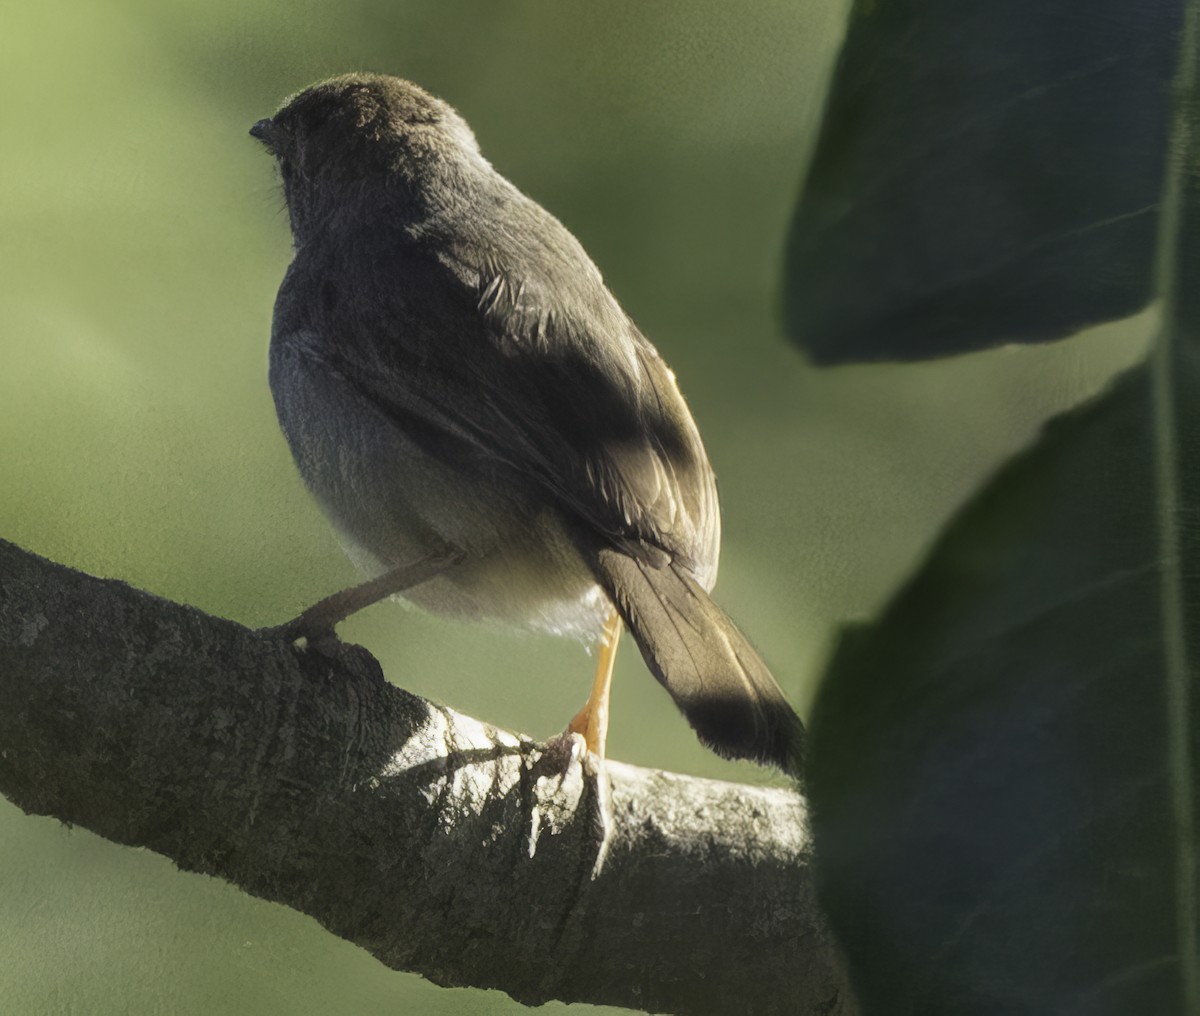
(990, 770)
(1006, 767)
(986, 173)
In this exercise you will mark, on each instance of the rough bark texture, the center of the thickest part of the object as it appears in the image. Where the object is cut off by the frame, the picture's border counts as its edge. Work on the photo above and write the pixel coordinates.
(439, 844)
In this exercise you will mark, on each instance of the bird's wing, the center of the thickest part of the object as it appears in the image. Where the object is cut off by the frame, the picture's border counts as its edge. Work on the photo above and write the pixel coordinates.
(540, 371)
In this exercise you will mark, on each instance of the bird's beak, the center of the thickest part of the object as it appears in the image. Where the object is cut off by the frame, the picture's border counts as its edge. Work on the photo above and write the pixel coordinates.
(263, 130)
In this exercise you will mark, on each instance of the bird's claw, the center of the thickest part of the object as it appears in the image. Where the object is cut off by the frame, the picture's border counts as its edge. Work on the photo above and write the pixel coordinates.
(560, 753)
(562, 750)
(302, 633)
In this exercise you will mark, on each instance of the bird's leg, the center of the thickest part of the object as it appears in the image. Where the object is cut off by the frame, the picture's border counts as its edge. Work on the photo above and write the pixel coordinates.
(319, 620)
(592, 720)
(588, 729)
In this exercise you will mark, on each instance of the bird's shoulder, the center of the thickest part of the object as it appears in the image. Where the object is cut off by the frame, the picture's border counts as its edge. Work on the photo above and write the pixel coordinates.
(531, 286)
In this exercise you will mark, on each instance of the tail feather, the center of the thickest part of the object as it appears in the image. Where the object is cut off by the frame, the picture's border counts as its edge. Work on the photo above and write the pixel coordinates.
(716, 678)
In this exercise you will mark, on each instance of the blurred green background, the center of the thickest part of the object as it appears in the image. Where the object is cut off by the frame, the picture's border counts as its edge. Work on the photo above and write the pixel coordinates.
(141, 242)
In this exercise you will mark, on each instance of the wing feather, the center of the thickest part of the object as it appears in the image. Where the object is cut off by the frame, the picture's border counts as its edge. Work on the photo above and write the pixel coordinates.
(526, 362)
(603, 399)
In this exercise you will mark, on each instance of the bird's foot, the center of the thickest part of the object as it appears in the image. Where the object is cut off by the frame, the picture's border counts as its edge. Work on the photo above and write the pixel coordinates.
(307, 632)
(590, 724)
(561, 754)
(562, 750)
(598, 790)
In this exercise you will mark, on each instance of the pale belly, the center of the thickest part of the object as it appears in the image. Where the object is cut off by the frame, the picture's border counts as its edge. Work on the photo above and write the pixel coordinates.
(392, 503)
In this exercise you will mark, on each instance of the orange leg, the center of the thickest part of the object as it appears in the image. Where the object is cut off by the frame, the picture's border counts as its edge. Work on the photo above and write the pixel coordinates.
(592, 720)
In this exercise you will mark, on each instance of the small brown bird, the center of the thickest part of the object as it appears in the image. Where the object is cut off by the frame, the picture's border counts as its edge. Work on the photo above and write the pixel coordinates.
(486, 428)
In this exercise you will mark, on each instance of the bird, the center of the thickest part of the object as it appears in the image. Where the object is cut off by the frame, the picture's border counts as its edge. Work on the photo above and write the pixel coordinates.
(490, 434)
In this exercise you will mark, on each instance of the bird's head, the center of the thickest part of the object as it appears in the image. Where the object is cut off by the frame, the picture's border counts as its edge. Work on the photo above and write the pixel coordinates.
(348, 145)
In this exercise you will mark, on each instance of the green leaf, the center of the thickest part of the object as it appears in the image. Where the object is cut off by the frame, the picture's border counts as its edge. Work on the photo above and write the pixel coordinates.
(991, 778)
(986, 173)
(1006, 766)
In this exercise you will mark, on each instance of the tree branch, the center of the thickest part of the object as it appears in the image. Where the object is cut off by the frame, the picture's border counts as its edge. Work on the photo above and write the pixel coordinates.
(439, 844)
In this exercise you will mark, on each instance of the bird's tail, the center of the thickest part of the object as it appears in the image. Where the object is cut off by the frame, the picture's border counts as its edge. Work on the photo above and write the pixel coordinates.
(698, 654)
